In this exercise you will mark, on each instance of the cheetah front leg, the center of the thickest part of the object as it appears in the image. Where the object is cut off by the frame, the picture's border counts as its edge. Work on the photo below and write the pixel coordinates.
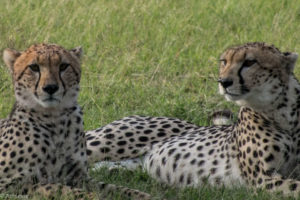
(56, 190)
(91, 187)
(289, 187)
(106, 188)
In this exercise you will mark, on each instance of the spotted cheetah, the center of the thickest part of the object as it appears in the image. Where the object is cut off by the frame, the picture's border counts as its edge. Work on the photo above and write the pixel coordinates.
(261, 149)
(43, 145)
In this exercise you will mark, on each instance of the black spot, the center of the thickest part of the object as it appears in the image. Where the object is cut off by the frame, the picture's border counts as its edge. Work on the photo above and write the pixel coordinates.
(43, 149)
(128, 134)
(182, 144)
(211, 152)
(140, 145)
(148, 131)
(143, 139)
(181, 178)
(293, 186)
(177, 157)
(255, 154)
(161, 134)
(121, 143)
(278, 183)
(20, 160)
(6, 169)
(166, 126)
(248, 150)
(12, 154)
(213, 170)
(163, 161)
(88, 152)
(20, 145)
(109, 136)
(269, 158)
(107, 130)
(95, 143)
(171, 151)
(175, 130)
(276, 148)
(120, 151)
(201, 162)
(123, 127)
(199, 148)
(187, 155)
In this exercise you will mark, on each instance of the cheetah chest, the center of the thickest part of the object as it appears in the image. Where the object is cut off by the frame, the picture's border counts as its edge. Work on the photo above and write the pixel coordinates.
(44, 148)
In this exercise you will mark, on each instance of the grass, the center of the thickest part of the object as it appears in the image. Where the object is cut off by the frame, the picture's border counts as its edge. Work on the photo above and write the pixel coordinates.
(149, 57)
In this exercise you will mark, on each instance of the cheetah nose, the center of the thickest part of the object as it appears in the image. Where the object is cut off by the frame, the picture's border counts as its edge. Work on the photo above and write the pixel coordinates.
(225, 82)
(50, 89)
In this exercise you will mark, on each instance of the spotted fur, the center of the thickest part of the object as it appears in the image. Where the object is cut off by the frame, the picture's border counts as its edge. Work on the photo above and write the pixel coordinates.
(43, 145)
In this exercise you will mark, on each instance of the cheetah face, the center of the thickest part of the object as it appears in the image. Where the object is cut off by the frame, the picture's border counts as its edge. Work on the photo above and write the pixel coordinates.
(45, 75)
(254, 74)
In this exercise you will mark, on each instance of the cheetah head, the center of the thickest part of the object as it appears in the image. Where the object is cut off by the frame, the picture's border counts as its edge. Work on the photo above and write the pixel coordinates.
(45, 75)
(255, 74)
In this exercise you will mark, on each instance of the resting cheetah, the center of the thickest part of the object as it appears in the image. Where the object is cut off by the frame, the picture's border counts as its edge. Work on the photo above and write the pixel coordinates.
(261, 149)
(43, 145)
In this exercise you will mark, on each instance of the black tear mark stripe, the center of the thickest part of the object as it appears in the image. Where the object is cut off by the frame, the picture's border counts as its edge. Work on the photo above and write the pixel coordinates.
(21, 75)
(76, 74)
(233, 54)
(37, 84)
(63, 83)
(241, 80)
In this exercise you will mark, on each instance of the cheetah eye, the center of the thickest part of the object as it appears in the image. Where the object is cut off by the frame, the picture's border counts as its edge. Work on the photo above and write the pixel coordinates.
(223, 62)
(249, 63)
(34, 67)
(63, 67)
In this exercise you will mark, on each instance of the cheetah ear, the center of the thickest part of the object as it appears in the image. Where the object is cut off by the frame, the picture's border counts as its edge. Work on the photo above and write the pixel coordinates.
(77, 52)
(291, 58)
(9, 57)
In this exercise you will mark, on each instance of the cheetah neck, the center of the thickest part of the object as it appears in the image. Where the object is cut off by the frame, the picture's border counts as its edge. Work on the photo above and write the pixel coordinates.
(286, 109)
(53, 121)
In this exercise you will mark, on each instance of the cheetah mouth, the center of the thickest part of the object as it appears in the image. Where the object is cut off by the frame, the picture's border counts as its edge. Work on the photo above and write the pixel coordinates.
(51, 99)
(232, 94)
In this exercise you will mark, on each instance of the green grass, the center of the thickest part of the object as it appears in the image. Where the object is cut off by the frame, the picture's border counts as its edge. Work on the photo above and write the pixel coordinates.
(149, 57)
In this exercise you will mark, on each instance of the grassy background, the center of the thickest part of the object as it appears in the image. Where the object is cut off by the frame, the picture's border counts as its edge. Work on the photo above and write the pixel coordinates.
(149, 57)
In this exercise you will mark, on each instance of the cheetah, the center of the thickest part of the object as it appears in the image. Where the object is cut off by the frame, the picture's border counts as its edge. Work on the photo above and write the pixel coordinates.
(43, 145)
(261, 149)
